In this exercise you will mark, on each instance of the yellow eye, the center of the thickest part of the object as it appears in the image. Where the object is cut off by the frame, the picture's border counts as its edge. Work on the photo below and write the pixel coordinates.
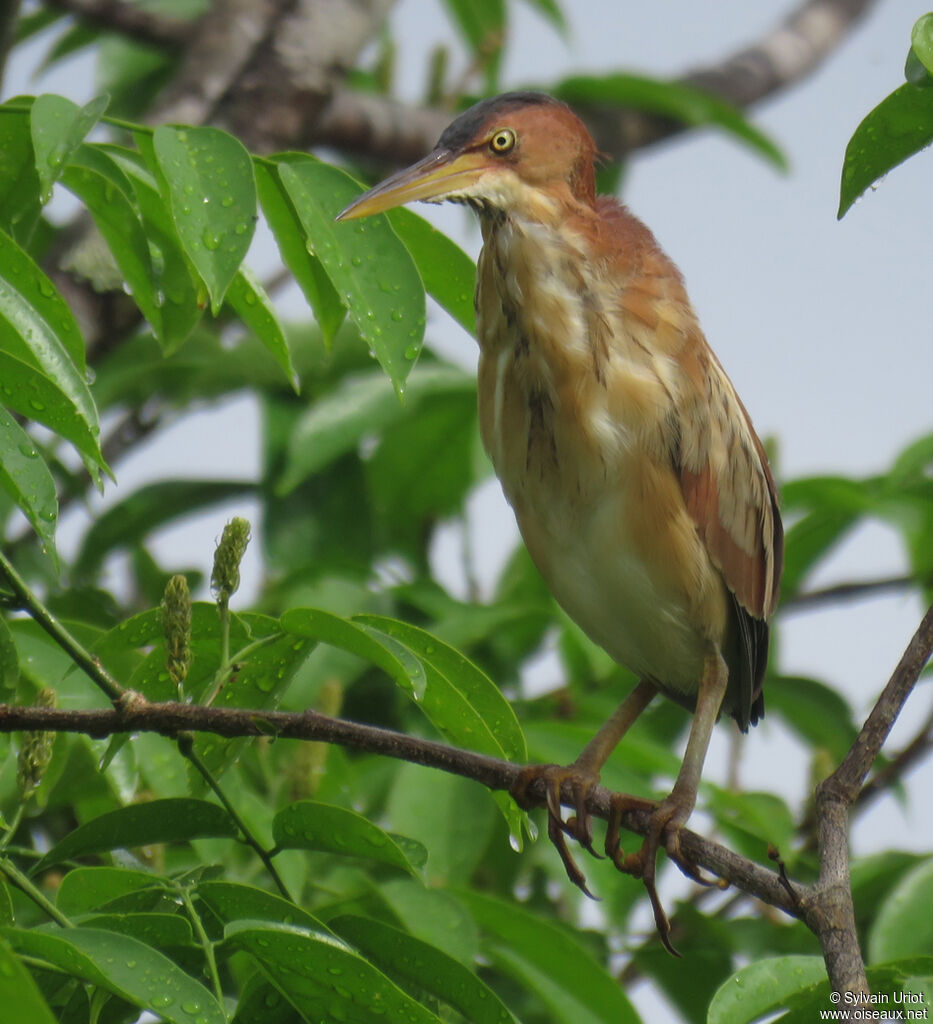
(502, 141)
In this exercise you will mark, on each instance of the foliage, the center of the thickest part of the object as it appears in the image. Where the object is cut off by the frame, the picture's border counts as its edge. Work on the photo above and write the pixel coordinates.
(328, 884)
(900, 126)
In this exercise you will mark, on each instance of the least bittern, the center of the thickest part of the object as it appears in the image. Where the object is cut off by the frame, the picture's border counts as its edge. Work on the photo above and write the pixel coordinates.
(640, 487)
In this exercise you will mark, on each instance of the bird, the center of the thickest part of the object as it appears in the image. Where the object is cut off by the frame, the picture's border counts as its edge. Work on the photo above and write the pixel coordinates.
(641, 490)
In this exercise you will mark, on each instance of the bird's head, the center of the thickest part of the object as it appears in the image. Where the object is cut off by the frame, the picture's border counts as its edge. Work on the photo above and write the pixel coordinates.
(510, 153)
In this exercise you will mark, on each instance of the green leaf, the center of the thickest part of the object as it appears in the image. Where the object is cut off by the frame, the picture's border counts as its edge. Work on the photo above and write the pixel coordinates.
(19, 183)
(323, 978)
(177, 285)
(449, 275)
(124, 966)
(261, 1003)
(43, 354)
(164, 931)
(129, 521)
(266, 661)
(921, 41)
(286, 226)
(432, 914)
(550, 962)
(424, 467)
(58, 128)
(904, 925)
(367, 264)
(212, 193)
(764, 987)
(818, 714)
(9, 667)
(49, 334)
(309, 825)
(550, 10)
(20, 998)
(482, 23)
(26, 478)
(360, 406)
(469, 708)
(159, 821)
(85, 889)
(691, 106)
(30, 392)
(457, 832)
(97, 180)
(753, 820)
(373, 645)
(231, 901)
(29, 25)
(463, 703)
(253, 306)
(900, 126)
(421, 967)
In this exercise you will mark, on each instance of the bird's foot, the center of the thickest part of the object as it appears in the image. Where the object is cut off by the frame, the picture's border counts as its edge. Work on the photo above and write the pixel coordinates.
(667, 819)
(578, 826)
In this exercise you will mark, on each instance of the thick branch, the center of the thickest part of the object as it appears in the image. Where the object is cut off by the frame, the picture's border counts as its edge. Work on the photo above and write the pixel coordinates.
(8, 18)
(128, 19)
(170, 719)
(381, 128)
(828, 910)
(222, 43)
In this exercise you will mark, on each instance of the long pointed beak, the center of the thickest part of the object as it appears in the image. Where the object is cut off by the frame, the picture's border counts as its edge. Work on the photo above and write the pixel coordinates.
(440, 174)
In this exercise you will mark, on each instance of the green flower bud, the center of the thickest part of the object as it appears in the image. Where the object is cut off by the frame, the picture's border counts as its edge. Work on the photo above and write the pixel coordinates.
(176, 625)
(225, 579)
(35, 750)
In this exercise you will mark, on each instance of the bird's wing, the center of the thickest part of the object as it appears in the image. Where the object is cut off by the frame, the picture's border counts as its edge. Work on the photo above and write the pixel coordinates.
(730, 494)
(727, 483)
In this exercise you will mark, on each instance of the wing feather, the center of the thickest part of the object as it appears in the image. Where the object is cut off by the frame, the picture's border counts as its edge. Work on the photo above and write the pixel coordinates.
(731, 496)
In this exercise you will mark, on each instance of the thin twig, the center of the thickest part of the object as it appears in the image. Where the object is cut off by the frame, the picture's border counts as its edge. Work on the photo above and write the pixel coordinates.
(853, 590)
(186, 749)
(68, 643)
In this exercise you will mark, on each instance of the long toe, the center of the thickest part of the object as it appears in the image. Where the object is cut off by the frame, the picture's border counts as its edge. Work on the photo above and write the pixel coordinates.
(578, 826)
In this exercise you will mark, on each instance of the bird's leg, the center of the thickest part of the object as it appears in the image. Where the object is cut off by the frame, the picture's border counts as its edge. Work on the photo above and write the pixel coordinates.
(672, 812)
(583, 776)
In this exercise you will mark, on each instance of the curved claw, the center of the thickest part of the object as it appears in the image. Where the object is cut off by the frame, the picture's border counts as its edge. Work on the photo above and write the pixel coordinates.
(578, 826)
(666, 820)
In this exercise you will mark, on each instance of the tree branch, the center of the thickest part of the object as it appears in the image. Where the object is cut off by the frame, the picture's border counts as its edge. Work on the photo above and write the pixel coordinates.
(8, 18)
(828, 908)
(383, 129)
(853, 590)
(128, 19)
(172, 718)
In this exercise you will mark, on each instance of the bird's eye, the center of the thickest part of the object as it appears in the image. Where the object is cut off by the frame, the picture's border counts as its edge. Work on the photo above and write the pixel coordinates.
(502, 141)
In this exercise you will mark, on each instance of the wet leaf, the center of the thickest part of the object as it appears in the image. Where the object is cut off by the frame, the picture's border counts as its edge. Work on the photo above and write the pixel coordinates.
(212, 194)
(253, 306)
(323, 977)
(286, 226)
(159, 821)
(368, 266)
(20, 998)
(58, 128)
(766, 986)
(900, 126)
(310, 825)
(422, 967)
(26, 478)
(124, 966)
(97, 180)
